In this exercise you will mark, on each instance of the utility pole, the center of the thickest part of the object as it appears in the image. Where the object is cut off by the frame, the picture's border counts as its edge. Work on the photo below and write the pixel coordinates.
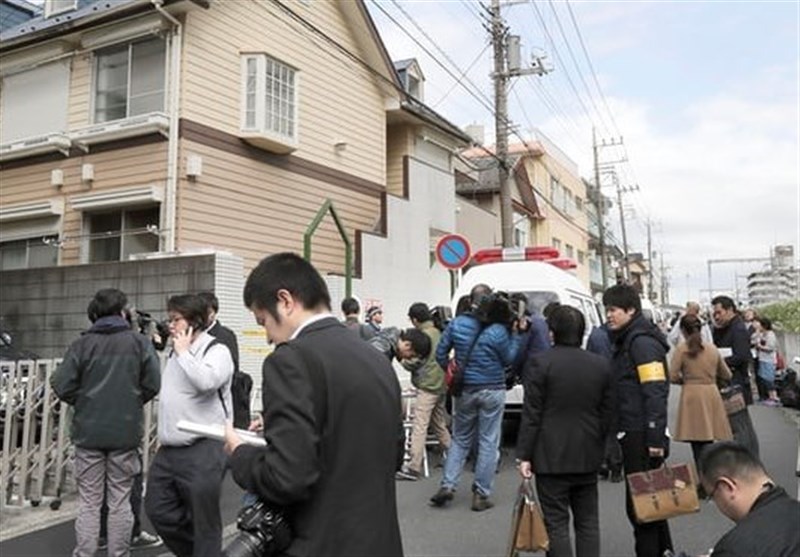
(649, 263)
(600, 204)
(664, 282)
(620, 191)
(506, 65)
(601, 210)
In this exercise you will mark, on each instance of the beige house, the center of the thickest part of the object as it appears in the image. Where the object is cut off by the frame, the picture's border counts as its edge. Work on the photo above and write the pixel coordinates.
(130, 127)
(548, 198)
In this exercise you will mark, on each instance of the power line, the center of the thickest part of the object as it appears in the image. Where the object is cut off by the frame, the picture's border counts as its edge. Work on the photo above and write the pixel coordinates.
(463, 74)
(560, 61)
(591, 66)
(575, 63)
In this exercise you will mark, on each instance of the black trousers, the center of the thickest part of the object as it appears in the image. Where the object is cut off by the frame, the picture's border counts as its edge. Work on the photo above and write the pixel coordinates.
(651, 539)
(182, 500)
(561, 493)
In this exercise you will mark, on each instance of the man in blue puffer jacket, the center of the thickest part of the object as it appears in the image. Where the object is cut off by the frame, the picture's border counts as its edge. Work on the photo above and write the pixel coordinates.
(483, 350)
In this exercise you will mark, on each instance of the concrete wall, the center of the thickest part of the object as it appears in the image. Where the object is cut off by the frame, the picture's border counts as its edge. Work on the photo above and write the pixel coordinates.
(45, 309)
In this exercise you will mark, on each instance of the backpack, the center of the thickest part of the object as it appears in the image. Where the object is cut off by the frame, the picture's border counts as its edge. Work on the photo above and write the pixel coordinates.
(241, 388)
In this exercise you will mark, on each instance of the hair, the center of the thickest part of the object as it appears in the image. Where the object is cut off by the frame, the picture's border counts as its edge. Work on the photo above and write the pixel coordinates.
(191, 307)
(691, 327)
(211, 299)
(548, 309)
(108, 301)
(515, 298)
(728, 458)
(693, 307)
(285, 271)
(725, 301)
(350, 306)
(766, 322)
(420, 342)
(419, 312)
(623, 296)
(464, 304)
(479, 291)
(567, 325)
(373, 311)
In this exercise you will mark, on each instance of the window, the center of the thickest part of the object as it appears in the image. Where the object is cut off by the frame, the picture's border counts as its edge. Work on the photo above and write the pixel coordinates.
(269, 97)
(28, 253)
(23, 96)
(55, 7)
(570, 251)
(129, 80)
(557, 243)
(581, 257)
(578, 204)
(413, 86)
(114, 236)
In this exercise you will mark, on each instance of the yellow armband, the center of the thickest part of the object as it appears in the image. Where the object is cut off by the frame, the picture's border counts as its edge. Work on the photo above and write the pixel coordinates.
(653, 371)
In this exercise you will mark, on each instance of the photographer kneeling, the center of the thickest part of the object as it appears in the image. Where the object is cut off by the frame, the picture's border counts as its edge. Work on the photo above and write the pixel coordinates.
(332, 409)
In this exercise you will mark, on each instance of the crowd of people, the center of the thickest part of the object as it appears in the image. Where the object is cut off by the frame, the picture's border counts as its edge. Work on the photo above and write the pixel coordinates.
(333, 417)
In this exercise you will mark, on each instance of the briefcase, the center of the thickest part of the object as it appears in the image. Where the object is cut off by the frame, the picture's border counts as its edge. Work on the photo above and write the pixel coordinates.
(664, 492)
(733, 399)
(528, 532)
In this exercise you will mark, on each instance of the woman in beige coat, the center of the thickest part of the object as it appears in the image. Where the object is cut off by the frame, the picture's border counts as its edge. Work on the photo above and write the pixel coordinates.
(696, 366)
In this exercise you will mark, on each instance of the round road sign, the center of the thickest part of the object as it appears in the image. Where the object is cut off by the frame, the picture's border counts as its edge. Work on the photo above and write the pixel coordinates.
(453, 251)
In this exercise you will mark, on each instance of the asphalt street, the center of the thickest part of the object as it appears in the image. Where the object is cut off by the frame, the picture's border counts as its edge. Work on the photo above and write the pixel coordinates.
(458, 531)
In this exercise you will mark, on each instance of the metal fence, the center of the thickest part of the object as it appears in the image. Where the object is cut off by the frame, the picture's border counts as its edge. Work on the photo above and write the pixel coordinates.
(36, 459)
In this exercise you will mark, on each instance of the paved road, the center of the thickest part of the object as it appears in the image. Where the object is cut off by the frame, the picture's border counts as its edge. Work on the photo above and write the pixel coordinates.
(458, 531)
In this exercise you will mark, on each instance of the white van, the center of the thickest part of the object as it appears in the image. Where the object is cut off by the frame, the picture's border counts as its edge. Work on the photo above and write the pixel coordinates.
(542, 283)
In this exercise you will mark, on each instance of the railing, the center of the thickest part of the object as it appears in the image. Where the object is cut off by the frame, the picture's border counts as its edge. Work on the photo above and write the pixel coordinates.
(37, 455)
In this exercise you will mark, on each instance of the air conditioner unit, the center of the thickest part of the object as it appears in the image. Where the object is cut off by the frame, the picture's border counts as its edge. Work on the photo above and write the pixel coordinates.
(38, 145)
(154, 122)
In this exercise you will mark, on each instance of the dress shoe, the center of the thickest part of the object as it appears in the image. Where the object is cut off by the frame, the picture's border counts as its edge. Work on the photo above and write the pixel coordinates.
(408, 474)
(480, 502)
(444, 495)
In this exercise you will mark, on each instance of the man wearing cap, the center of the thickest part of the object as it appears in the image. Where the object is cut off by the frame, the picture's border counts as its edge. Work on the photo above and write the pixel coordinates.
(375, 319)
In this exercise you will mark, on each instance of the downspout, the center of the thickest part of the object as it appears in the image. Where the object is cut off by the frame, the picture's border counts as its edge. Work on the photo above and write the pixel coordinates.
(171, 194)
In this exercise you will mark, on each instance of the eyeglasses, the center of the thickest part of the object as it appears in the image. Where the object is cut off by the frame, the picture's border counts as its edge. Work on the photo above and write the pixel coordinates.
(710, 495)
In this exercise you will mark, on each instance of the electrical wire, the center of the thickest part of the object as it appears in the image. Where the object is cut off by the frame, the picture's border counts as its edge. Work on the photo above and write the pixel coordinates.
(463, 74)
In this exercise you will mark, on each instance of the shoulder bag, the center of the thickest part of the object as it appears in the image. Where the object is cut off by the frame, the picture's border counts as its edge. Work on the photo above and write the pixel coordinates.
(665, 492)
(454, 374)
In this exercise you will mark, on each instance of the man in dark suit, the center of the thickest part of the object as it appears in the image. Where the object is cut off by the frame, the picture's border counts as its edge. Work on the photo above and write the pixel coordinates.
(566, 415)
(332, 452)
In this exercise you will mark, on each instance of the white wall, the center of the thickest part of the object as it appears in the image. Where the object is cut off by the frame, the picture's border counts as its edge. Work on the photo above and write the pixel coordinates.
(35, 102)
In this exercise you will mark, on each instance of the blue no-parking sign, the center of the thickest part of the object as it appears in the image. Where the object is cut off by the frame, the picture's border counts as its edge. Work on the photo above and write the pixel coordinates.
(453, 251)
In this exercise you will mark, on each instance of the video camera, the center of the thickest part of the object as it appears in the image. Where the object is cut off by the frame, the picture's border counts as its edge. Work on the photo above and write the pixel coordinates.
(150, 327)
(263, 532)
(496, 308)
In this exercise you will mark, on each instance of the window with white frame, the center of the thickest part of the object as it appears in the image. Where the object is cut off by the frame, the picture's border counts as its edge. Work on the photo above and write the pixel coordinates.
(130, 79)
(269, 97)
(570, 251)
(581, 257)
(557, 243)
(116, 235)
(29, 253)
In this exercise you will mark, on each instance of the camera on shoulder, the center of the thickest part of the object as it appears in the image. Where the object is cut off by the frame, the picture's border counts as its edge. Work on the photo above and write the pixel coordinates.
(495, 308)
(263, 532)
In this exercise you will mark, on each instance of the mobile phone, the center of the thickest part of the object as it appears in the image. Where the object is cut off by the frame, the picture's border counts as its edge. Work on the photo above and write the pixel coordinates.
(520, 309)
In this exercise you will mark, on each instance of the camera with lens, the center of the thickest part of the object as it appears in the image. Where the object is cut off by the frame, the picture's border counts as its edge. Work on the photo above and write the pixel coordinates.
(150, 327)
(495, 308)
(263, 532)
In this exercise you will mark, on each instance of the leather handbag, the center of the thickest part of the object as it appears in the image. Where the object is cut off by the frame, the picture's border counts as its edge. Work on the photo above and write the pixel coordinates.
(528, 532)
(664, 492)
(733, 399)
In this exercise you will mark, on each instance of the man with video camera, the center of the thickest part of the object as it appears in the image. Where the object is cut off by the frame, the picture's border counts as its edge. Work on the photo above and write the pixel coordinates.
(485, 341)
(332, 412)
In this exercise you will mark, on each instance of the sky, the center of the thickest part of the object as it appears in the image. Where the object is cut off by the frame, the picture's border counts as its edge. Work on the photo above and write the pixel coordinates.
(705, 95)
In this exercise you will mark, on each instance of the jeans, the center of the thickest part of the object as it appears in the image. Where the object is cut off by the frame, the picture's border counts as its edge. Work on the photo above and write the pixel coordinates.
(476, 413)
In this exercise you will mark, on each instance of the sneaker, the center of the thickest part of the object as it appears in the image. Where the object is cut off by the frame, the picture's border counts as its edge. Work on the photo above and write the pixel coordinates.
(481, 502)
(442, 497)
(145, 539)
(407, 474)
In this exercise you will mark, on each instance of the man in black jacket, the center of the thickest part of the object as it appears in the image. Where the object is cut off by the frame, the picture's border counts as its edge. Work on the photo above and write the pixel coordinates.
(767, 519)
(565, 418)
(107, 375)
(332, 411)
(242, 383)
(640, 372)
